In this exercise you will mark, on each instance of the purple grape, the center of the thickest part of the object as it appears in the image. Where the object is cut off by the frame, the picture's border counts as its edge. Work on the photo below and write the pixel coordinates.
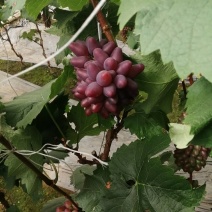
(88, 111)
(99, 55)
(110, 107)
(94, 100)
(110, 91)
(92, 70)
(104, 112)
(81, 74)
(132, 88)
(79, 61)
(109, 47)
(120, 81)
(124, 67)
(81, 88)
(79, 96)
(79, 48)
(135, 70)
(93, 90)
(104, 78)
(96, 107)
(113, 100)
(85, 103)
(110, 64)
(89, 80)
(92, 44)
(117, 54)
(103, 42)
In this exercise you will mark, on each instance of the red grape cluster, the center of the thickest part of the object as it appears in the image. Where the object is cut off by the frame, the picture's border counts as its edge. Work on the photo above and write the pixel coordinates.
(192, 158)
(105, 81)
(67, 207)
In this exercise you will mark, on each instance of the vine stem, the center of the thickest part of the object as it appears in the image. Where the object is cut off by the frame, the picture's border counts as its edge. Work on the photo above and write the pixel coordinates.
(41, 44)
(103, 22)
(12, 47)
(3, 200)
(30, 165)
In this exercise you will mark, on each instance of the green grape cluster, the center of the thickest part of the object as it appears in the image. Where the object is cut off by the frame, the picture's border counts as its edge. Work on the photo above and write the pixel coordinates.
(192, 158)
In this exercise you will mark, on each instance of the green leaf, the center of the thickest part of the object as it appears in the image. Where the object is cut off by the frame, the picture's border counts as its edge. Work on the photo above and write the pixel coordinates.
(84, 125)
(158, 80)
(143, 184)
(204, 137)
(180, 134)
(199, 99)
(93, 190)
(33, 8)
(11, 7)
(29, 35)
(52, 205)
(74, 5)
(78, 177)
(179, 28)
(21, 111)
(60, 154)
(143, 125)
(28, 139)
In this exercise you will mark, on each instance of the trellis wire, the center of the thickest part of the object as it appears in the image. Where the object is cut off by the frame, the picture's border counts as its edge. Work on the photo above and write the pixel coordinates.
(86, 22)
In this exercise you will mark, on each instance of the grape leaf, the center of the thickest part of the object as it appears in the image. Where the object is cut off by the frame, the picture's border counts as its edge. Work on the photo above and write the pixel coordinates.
(33, 8)
(93, 190)
(199, 99)
(52, 205)
(145, 125)
(143, 184)
(180, 134)
(78, 176)
(204, 137)
(21, 111)
(158, 80)
(74, 5)
(84, 125)
(28, 139)
(179, 28)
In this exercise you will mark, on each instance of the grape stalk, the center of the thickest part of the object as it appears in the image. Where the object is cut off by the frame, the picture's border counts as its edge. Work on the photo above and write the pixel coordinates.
(105, 80)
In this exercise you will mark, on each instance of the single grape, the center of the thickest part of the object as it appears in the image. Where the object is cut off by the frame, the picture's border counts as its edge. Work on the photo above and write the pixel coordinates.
(88, 111)
(110, 91)
(79, 61)
(104, 112)
(79, 48)
(124, 67)
(92, 44)
(113, 100)
(103, 42)
(93, 90)
(104, 78)
(132, 88)
(79, 96)
(92, 70)
(85, 103)
(135, 70)
(96, 107)
(81, 74)
(60, 208)
(81, 88)
(94, 100)
(117, 54)
(110, 64)
(89, 80)
(110, 107)
(109, 47)
(120, 81)
(99, 55)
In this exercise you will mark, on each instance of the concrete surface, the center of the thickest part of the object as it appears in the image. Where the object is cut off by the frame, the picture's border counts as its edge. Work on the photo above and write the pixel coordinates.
(31, 52)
